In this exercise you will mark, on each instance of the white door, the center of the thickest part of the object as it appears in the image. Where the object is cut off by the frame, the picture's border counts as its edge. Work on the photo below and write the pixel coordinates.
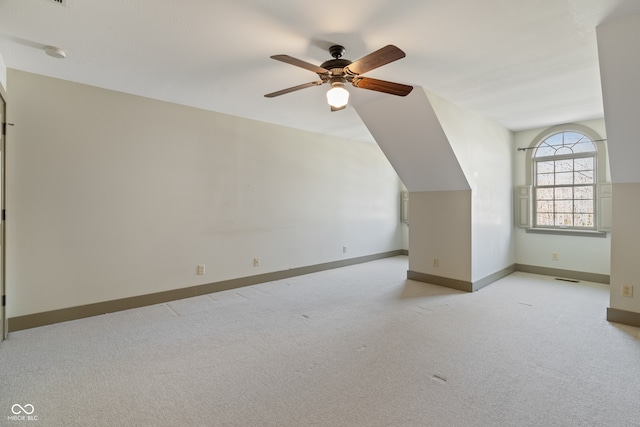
(3, 312)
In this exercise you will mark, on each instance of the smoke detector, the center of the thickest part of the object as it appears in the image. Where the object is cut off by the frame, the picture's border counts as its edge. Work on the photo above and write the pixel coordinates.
(55, 52)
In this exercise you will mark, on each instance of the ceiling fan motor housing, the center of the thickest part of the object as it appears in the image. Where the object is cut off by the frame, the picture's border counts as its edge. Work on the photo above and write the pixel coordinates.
(336, 66)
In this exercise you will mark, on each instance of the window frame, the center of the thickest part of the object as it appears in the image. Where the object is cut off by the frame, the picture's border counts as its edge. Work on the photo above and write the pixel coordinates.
(526, 203)
(594, 185)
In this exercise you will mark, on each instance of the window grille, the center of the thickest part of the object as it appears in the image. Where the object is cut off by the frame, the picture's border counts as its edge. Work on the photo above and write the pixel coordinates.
(564, 187)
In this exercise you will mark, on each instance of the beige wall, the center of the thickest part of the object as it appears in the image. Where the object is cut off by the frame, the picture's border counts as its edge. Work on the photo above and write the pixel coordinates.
(3, 74)
(440, 228)
(439, 147)
(619, 69)
(625, 254)
(483, 149)
(112, 195)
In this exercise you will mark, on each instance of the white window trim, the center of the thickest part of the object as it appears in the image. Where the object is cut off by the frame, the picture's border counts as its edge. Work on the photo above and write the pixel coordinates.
(524, 193)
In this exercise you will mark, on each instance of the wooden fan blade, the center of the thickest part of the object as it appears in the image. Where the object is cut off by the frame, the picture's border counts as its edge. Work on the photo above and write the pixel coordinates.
(382, 86)
(375, 59)
(293, 89)
(300, 63)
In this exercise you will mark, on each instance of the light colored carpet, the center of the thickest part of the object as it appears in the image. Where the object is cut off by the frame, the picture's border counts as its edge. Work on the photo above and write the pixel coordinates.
(356, 346)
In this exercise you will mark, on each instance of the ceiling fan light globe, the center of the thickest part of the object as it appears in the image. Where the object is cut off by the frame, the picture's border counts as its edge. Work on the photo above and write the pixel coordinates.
(338, 96)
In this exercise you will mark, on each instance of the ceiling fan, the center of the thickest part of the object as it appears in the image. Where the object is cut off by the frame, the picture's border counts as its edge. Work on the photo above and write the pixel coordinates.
(338, 71)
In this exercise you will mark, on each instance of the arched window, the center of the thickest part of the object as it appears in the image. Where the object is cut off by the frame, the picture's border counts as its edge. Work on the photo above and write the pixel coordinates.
(564, 185)
(567, 188)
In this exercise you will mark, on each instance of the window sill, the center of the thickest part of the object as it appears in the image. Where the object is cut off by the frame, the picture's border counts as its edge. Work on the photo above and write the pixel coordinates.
(567, 232)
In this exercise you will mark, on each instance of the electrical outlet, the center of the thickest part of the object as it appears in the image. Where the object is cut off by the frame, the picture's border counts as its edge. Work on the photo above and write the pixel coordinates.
(256, 262)
(201, 270)
(344, 249)
(627, 291)
(554, 256)
(436, 262)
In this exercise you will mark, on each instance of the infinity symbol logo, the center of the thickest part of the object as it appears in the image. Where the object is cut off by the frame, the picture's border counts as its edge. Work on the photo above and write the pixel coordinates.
(27, 409)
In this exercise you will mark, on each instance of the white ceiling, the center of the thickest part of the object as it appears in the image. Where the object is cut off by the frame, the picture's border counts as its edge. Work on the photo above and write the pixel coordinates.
(522, 63)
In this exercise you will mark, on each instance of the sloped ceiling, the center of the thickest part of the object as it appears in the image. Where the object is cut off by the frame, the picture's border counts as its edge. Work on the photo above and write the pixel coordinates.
(421, 166)
(524, 64)
(618, 49)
